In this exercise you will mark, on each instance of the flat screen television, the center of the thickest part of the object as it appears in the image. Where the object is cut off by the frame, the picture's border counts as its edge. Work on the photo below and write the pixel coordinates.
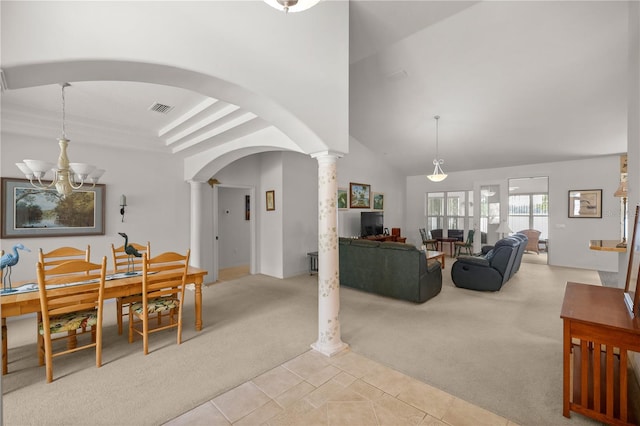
(371, 223)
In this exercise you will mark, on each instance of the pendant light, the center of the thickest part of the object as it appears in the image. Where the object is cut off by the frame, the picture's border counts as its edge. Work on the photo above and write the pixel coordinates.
(66, 176)
(438, 175)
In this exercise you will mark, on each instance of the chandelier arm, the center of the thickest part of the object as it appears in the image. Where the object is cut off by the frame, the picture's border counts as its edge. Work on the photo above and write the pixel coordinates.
(43, 185)
(76, 186)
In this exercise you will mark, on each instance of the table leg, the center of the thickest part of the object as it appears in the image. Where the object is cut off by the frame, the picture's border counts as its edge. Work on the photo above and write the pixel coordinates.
(5, 368)
(198, 303)
(442, 257)
(566, 366)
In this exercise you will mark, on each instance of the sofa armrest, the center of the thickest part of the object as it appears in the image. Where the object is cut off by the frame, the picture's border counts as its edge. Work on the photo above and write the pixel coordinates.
(474, 260)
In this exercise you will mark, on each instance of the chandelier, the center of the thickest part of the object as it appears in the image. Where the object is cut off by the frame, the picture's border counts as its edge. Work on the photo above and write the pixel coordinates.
(438, 175)
(292, 5)
(66, 176)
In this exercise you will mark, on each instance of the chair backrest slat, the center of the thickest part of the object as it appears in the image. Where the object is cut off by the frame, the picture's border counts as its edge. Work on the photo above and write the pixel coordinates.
(54, 298)
(164, 274)
(121, 258)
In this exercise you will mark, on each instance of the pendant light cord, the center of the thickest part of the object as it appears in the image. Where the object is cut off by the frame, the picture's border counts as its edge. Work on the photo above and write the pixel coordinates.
(64, 133)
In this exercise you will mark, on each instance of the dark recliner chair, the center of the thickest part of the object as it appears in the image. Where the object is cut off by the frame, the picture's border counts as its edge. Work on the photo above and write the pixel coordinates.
(521, 249)
(491, 270)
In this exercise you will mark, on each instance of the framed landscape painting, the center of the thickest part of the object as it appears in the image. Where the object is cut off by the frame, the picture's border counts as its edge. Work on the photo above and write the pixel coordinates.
(31, 212)
(359, 196)
(585, 203)
(342, 198)
(378, 201)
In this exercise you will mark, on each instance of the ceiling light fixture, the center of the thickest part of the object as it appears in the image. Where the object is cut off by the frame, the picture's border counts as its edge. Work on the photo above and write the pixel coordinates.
(292, 5)
(67, 176)
(438, 175)
(488, 192)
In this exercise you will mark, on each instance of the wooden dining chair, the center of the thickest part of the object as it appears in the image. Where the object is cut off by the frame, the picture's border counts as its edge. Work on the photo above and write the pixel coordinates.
(69, 307)
(5, 365)
(465, 245)
(63, 254)
(56, 257)
(121, 262)
(163, 282)
(427, 240)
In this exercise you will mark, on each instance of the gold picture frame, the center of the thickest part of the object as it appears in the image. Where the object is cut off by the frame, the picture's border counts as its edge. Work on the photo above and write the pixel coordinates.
(271, 200)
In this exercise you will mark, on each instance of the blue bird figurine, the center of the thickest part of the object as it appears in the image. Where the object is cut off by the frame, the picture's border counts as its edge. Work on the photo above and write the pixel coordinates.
(7, 261)
(131, 251)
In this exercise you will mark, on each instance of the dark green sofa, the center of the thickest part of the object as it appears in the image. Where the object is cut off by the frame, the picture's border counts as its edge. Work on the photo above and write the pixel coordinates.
(389, 269)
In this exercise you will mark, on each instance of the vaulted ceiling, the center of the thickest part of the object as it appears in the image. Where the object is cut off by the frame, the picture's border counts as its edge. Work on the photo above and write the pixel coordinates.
(514, 83)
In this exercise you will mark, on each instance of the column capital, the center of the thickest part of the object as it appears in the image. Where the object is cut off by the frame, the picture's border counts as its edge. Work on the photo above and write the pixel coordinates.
(326, 154)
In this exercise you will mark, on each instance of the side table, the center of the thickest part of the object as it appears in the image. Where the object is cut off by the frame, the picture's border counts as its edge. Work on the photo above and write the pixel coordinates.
(313, 262)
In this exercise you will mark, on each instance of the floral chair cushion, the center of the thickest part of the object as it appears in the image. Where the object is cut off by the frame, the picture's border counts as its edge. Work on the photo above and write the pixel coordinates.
(71, 321)
(159, 304)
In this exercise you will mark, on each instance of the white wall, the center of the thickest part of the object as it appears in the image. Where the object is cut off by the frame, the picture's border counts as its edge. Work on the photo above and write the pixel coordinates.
(271, 222)
(362, 166)
(157, 198)
(568, 238)
(300, 211)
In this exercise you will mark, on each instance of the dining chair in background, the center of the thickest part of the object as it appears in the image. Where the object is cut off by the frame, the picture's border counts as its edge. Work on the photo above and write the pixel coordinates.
(465, 245)
(163, 284)
(427, 240)
(121, 263)
(68, 307)
(63, 254)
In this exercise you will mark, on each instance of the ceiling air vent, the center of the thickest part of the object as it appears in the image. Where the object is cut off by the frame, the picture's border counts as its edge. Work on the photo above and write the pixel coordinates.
(161, 108)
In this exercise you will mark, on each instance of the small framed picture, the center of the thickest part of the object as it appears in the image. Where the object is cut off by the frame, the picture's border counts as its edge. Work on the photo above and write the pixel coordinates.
(359, 196)
(378, 201)
(271, 200)
(585, 203)
(342, 198)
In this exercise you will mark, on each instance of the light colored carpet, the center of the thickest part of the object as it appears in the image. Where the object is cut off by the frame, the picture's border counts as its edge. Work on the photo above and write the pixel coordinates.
(501, 351)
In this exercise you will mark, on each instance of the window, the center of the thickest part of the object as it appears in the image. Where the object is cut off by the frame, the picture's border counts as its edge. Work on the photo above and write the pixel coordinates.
(529, 211)
(455, 209)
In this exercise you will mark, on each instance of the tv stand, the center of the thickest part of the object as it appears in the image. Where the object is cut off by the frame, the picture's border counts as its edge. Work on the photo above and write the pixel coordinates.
(381, 237)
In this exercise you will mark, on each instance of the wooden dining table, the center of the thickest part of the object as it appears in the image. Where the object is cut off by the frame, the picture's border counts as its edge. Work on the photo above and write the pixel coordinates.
(27, 302)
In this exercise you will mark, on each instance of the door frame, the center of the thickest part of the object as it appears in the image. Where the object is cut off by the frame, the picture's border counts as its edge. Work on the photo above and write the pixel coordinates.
(252, 227)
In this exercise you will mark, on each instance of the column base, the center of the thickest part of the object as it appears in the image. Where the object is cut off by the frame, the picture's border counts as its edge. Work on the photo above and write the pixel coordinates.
(329, 351)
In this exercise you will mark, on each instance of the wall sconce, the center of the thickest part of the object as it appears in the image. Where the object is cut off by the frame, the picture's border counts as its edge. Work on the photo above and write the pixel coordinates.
(123, 204)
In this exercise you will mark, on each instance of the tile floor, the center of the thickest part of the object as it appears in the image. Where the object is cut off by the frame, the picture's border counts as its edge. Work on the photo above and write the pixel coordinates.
(347, 389)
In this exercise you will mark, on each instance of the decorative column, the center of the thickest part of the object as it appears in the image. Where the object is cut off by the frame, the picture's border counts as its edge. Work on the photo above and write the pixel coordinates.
(329, 342)
(196, 222)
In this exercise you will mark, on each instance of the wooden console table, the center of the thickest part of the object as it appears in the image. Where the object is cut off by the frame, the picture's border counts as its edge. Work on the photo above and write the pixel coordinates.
(598, 318)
